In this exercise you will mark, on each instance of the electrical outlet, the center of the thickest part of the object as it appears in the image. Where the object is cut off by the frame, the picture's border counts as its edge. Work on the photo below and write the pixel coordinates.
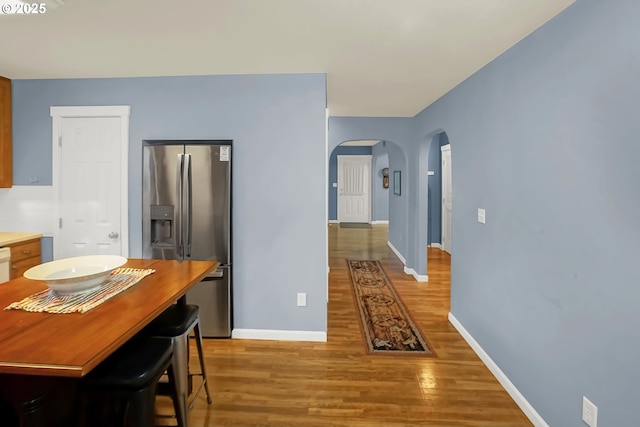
(589, 412)
(302, 300)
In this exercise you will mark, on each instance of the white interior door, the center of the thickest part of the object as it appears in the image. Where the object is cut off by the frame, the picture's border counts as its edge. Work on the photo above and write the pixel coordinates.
(354, 188)
(91, 184)
(447, 198)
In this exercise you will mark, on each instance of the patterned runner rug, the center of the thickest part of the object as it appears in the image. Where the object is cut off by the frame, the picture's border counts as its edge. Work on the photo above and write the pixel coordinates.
(386, 324)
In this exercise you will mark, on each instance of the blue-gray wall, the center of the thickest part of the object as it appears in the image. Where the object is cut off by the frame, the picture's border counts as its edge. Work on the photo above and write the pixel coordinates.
(271, 119)
(545, 138)
(537, 286)
(380, 200)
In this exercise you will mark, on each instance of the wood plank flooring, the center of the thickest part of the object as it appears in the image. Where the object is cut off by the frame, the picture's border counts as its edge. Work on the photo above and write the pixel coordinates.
(282, 383)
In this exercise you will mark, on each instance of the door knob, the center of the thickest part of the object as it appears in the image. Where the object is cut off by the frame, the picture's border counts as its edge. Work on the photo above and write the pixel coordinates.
(113, 235)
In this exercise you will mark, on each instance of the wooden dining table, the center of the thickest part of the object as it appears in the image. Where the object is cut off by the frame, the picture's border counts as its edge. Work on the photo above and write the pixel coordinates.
(43, 355)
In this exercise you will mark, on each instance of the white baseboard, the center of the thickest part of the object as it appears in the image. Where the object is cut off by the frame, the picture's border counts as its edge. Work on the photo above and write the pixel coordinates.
(515, 394)
(277, 335)
(333, 221)
(418, 277)
(436, 245)
(407, 270)
(398, 254)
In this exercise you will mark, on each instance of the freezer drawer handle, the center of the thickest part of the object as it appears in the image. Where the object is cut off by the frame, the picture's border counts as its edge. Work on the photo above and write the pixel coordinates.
(214, 275)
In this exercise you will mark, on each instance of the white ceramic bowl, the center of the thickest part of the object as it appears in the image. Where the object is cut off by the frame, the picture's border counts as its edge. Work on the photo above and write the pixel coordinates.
(76, 275)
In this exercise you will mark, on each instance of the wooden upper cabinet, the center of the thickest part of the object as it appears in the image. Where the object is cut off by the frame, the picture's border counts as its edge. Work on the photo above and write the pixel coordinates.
(6, 157)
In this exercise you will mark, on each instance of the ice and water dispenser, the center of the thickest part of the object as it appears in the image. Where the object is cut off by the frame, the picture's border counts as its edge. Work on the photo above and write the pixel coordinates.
(162, 226)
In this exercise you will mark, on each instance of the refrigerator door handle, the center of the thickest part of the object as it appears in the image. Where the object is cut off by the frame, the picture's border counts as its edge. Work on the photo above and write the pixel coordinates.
(189, 207)
(178, 227)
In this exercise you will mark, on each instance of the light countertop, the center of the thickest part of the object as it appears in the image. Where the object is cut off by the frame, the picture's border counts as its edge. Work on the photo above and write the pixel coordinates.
(8, 238)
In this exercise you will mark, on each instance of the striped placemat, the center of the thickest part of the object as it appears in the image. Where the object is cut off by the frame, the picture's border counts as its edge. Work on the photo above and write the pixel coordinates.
(48, 301)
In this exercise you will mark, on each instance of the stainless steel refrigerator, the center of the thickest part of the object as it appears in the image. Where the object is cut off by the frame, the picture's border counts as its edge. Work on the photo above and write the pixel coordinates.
(186, 214)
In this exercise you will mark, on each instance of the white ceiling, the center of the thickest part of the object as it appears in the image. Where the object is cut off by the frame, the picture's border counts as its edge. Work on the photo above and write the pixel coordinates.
(382, 57)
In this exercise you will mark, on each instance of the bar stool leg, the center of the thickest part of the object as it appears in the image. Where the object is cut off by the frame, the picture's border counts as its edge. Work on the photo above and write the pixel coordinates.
(203, 370)
(181, 416)
(181, 370)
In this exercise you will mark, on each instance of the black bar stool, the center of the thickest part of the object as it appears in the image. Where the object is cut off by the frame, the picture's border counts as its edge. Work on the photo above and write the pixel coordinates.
(121, 391)
(177, 322)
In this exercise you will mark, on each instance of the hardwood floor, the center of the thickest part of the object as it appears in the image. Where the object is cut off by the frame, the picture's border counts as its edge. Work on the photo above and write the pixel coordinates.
(284, 383)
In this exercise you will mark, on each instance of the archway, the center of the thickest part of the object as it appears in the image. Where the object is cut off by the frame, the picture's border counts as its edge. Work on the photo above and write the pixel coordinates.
(396, 132)
(385, 205)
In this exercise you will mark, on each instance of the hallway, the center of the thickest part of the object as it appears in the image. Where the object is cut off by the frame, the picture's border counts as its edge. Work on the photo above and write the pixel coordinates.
(279, 383)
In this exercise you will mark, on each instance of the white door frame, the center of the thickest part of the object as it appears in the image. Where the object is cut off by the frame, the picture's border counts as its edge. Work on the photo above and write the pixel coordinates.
(369, 158)
(443, 149)
(121, 111)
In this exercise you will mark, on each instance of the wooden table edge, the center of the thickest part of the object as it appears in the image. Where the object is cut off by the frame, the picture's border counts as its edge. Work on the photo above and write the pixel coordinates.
(78, 371)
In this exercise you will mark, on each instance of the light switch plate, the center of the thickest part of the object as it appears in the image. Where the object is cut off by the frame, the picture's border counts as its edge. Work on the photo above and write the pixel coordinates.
(589, 412)
(302, 300)
(431, 173)
(335, 185)
(481, 216)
